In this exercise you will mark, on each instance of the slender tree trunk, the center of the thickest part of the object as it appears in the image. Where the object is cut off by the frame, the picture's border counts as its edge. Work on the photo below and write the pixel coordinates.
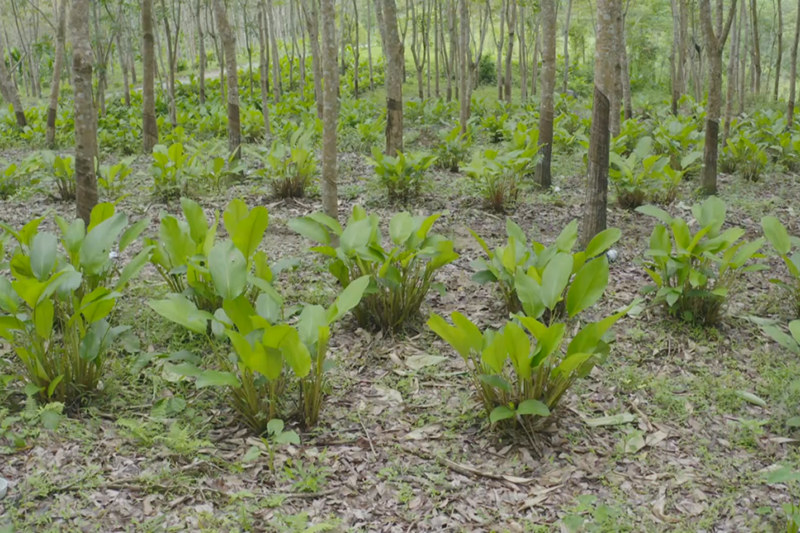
(419, 58)
(616, 101)
(276, 65)
(369, 47)
(330, 198)
(793, 77)
(744, 51)
(149, 124)
(500, 39)
(548, 16)
(202, 53)
(312, 23)
(123, 65)
(58, 67)
(85, 115)
(10, 92)
(229, 45)
(566, 47)
(394, 80)
(605, 79)
(464, 79)
(263, 69)
(627, 104)
(523, 55)
(756, 44)
(731, 82)
(436, 41)
(779, 37)
(512, 28)
(677, 48)
(173, 112)
(535, 63)
(714, 47)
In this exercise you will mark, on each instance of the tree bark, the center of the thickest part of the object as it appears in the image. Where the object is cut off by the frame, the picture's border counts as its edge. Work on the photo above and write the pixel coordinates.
(369, 49)
(512, 29)
(756, 44)
(546, 107)
(731, 82)
(793, 77)
(312, 24)
(464, 79)
(149, 124)
(499, 43)
(330, 199)
(744, 52)
(566, 46)
(173, 111)
(714, 47)
(85, 114)
(263, 69)
(606, 74)
(779, 38)
(9, 88)
(677, 49)
(394, 80)
(627, 103)
(229, 45)
(276, 65)
(58, 67)
(523, 56)
(202, 53)
(615, 105)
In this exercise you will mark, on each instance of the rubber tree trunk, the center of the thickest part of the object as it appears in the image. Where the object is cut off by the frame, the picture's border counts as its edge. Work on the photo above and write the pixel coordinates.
(263, 69)
(714, 47)
(756, 44)
(85, 114)
(730, 91)
(616, 100)
(464, 83)
(330, 198)
(10, 92)
(605, 78)
(566, 47)
(546, 106)
(744, 51)
(312, 24)
(793, 77)
(394, 80)
(123, 66)
(512, 29)
(276, 65)
(149, 124)
(229, 46)
(173, 112)
(627, 103)
(500, 42)
(201, 44)
(677, 51)
(58, 67)
(779, 58)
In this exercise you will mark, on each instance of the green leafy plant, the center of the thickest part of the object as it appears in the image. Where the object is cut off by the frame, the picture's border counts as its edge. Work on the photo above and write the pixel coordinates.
(112, 178)
(56, 307)
(498, 175)
(521, 271)
(400, 274)
(694, 273)
(171, 169)
(496, 127)
(641, 176)
(742, 154)
(62, 170)
(452, 149)
(14, 177)
(521, 377)
(290, 167)
(403, 176)
(778, 236)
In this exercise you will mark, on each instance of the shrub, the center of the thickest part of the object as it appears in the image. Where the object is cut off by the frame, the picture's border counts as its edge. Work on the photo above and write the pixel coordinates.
(521, 269)
(400, 275)
(290, 167)
(496, 127)
(522, 380)
(62, 170)
(498, 175)
(403, 176)
(57, 307)
(487, 70)
(742, 154)
(452, 149)
(776, 234)
(790, 341)
(14, 177)
(171, 170)
(112, 178)
(681, 140)
(695, 273)
(641, 176)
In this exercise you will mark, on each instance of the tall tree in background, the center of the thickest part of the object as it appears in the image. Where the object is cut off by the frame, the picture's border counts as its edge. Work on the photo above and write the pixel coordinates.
(263, 69)
(566, 45)
(616, 101)
(85, 115)
(201, 77)
(9, 90)
(512, 29)
(627, 103)
(594, 217)
(394, 79)
(779, 58)
(756, 45)
(58, 66)
(149, 124)
(276, 64)
(546, 107)
(229, 45)
(311, 16)
(330, 198)
(793, 77)
(731, 78)
(715, 43)
(464, 75)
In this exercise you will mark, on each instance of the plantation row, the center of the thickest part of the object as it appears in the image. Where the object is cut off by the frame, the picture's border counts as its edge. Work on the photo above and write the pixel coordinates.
(649, 158)
(270, 359)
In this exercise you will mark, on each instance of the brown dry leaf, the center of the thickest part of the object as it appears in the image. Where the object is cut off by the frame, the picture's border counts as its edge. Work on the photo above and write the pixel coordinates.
(691, 508)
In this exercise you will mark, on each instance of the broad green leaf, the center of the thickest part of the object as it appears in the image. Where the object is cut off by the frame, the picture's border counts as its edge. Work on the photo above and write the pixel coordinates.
(228, 268)
(401, 227)
(249, 232)
(495, 381)
(568, 237)
(239, 310)
(602, 242)
(43, 255)
(513, 230)
(653, 211)
(198, 225)
(100, 213)
(133, 268)
(533, 407)
(329, 222)
(132, 233)
(749, 397)
(215, 378)
(98, 243)
(312, 318)
(529, 292)
(519, 349)
(73, 236)
(356, 235)
(310, 229)
(495, 352)
(43, 318)
(500, 413)
(777, 235)
(588, 286)
(177, 308)
(555, 279)
(235, 212)
(348, 299)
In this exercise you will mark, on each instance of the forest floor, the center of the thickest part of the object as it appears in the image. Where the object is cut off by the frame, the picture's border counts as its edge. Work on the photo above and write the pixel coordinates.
(403, 446)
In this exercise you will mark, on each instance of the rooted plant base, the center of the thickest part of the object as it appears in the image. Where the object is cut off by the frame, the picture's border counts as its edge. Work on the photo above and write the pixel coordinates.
(402, 443)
